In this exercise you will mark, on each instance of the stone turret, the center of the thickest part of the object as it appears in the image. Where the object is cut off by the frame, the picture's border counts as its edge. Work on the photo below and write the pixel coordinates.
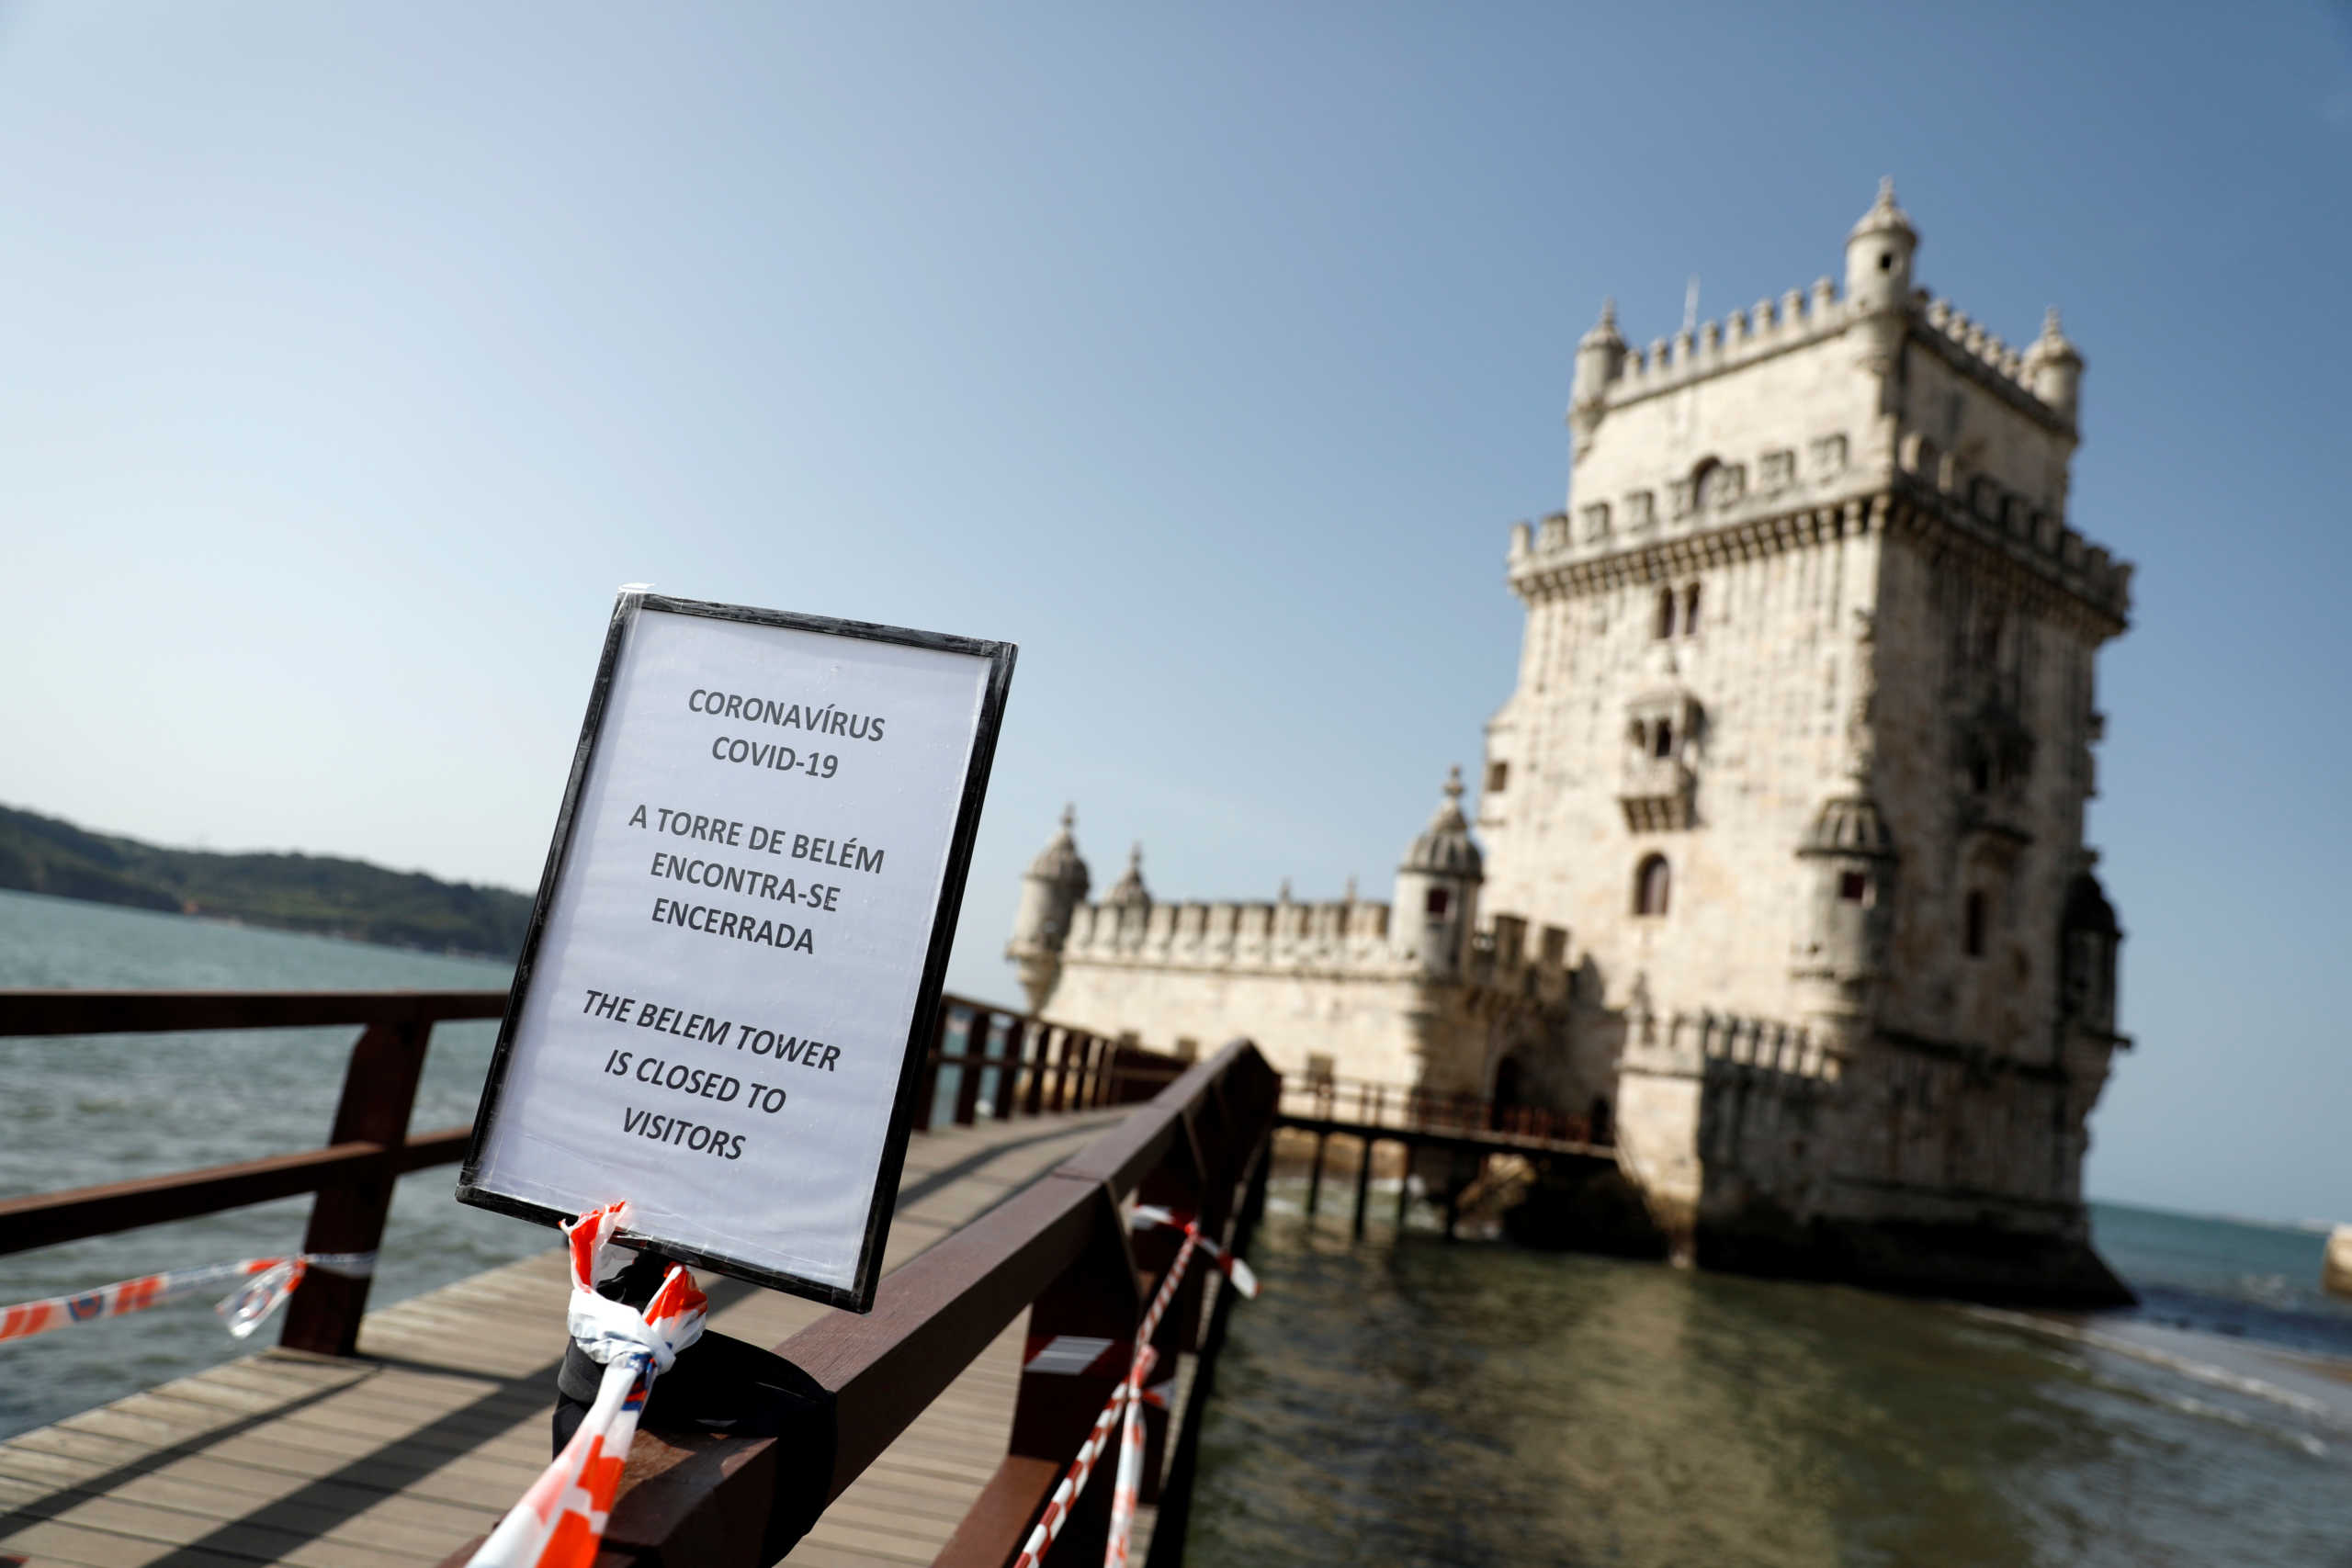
(1437, 890)
(2054, 369)
(1840, 959)
(1129, 902)
(2088, 936)
(1601, 357)
(1878, 279)
(1056, 883)
(1847, 919)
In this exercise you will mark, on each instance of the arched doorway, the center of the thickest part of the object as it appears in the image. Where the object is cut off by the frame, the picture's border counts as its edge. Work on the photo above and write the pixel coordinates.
(1510, 1090)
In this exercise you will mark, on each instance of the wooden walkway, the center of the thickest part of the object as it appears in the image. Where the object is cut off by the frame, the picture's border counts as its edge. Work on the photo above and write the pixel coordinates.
(397, 1458)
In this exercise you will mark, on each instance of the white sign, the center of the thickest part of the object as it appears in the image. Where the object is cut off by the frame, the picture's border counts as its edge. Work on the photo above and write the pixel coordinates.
(736, 959)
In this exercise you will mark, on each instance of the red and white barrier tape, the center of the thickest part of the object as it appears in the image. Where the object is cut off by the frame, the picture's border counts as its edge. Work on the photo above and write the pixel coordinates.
(1129, 1481)
(1145, 1216)
(267, 1282)
(1076, 1353)
(561, 1521)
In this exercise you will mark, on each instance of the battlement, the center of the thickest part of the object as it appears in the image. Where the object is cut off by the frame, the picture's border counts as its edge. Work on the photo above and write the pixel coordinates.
(1738, 340)
(1933, 316)
(1554, 555)
(1682, 1045)
(1801, 318)
(1340, 934)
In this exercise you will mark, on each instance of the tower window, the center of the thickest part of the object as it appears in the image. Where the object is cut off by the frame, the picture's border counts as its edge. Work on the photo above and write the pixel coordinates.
(1653, 882)
(1886, 261)
(1665, 627)
(1854, 887)
(1497, 777)
(1690, 611)
(1663, 746)
(1438, 901)
(1972, 925)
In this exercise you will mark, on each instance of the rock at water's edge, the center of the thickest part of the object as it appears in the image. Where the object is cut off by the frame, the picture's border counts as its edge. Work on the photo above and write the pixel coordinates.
(2336, 1268)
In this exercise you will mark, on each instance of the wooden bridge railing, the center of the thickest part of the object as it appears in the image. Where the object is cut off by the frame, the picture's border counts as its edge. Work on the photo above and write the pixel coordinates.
(370, 1145)
(1458, 1126)
(1364, 1102)
(1059, 1249)
(1029, 1065)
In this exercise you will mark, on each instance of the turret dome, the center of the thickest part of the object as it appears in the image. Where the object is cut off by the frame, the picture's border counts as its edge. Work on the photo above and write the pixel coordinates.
(1850, 825)
(1603, 333)
(1446, 847)
(1128, 892)
(2051, 347)
(1885, 216)
(2088, 909)
(1058, 862)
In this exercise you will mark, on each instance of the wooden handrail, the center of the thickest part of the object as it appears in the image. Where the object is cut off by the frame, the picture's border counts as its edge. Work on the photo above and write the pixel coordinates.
(368, 1148)
(1090, 1071)
(155, 1012)
(1340, 1102)
(1059, 1249)
(48, 1218)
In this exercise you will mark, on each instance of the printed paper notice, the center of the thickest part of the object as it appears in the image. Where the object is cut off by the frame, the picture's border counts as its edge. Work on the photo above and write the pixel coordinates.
(719, 1007)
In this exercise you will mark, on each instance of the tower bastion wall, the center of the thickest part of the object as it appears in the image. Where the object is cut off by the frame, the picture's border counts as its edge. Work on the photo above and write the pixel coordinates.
(1780, 831)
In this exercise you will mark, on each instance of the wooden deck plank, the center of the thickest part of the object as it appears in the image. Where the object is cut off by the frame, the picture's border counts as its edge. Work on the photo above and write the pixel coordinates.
(394, 1458)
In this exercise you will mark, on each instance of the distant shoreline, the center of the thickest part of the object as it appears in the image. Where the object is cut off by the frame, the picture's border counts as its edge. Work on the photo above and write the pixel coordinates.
(314, 895)
(231, 923)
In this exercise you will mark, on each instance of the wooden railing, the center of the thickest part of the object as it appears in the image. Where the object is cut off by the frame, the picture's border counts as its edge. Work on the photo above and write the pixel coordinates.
(1059, 1249)
(1458, 1126)
(368, 1146)
(1406, 1108)
(1028, 1065)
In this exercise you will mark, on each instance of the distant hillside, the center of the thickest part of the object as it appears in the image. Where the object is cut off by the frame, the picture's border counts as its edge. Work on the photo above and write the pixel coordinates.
(302, 893)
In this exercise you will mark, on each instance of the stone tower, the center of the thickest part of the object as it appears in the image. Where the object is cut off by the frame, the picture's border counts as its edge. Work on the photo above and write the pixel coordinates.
(1779, 867)
(1800, 751)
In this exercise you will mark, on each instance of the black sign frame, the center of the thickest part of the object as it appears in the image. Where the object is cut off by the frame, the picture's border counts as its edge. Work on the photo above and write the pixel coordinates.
(922, 1028)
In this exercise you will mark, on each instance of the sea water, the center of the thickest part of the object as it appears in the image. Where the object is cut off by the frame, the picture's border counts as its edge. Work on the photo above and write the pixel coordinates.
(1409, 1401)
(1403, 1400)
(76, 1111)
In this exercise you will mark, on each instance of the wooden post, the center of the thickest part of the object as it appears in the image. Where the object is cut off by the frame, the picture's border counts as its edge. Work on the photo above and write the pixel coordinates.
(928, 1090)
(977, 1029)
(1062, 1069)
(1314, 1177)
(1403, 1186)
(1098, 1297)
(378, 1090)
(1180, 1183)
(1008, 1070)
(1041, 1051)
(1363, 1183)
(1452, 1203)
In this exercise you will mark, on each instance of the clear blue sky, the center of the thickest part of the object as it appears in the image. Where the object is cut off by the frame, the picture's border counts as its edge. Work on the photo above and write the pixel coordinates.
(350, 356)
